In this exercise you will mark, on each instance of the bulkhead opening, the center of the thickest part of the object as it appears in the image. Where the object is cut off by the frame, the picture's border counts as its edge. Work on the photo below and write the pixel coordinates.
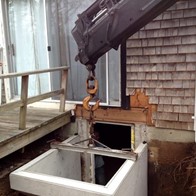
(114, 136)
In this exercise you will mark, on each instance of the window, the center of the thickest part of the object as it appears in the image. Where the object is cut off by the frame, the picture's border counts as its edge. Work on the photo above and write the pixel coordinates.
(28, 42)
(40, 37)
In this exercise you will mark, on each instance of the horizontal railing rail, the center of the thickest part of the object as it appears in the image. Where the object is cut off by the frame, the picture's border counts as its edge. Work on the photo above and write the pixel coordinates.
(25, 100)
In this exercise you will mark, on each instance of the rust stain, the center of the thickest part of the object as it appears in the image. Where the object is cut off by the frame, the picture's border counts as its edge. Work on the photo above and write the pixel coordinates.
(141, 100)
(141, 111)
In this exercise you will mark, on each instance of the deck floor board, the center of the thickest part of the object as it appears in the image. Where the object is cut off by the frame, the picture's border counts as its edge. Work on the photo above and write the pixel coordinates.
(40, 121)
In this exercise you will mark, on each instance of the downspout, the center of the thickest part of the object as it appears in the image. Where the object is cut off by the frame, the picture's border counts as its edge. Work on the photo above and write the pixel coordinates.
(1, 71)
(194, 117)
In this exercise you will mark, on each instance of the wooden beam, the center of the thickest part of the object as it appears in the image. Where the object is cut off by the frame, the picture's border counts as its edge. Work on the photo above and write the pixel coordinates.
(30, 135)
(63, 86)
(44, 96)
(19, 103)
(23, 108)
(10, 106)
(1, 83)
(11, 75)
(115, 115)
(99, 151)
(141, 100)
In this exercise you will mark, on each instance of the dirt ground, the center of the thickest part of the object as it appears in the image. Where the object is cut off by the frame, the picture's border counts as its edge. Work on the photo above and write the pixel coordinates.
(175, 172)
(171, 178)
(19, 158)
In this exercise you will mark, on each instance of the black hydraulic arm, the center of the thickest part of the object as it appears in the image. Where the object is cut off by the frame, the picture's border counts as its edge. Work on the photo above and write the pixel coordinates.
(107, 23)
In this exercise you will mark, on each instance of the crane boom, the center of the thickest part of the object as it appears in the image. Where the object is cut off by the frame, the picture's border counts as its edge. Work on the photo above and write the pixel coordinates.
(107, 23)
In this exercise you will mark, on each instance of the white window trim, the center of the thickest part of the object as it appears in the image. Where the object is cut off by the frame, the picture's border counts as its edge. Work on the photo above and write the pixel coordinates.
(5, 45)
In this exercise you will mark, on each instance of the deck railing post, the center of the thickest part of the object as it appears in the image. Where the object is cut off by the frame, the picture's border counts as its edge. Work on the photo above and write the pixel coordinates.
(25, 100)
(24, 96)
(64, 87)
(1, 71)
(1, 84)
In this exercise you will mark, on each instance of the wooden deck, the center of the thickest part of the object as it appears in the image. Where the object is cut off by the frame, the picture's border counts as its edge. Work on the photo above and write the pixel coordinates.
(21, 123)
(39, 122)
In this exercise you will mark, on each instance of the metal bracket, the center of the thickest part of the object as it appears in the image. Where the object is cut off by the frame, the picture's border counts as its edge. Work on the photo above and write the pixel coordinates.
(97, 150)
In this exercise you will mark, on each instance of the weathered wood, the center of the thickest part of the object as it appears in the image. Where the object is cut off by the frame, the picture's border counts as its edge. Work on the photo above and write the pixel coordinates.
(11, 75)
(30, 100)
(24, 101)
(63, 86)
(1, 71)
(44, 96)
(115, 115)
(39, 122)
(24, 95)
(141, 100)
(10, 106)
(1, 83)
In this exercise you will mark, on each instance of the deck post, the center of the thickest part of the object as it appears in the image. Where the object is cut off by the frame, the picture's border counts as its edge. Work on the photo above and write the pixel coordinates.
(1, 71)
(24, 96)
(64, 87)
(1, 91)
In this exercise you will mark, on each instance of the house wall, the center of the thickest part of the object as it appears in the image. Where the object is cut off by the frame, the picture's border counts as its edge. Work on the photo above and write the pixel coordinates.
(161, 74)
(161, 62)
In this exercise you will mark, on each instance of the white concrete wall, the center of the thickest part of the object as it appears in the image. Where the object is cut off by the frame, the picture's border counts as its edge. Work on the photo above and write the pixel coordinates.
(146, 133)
(44, 176)
(135, 183)
(64, 164)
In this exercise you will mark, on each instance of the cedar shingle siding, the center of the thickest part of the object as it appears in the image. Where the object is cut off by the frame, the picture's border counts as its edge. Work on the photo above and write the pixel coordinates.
(161, 59)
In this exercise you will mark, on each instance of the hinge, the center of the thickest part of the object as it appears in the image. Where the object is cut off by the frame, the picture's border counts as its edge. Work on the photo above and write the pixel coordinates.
(49, 48)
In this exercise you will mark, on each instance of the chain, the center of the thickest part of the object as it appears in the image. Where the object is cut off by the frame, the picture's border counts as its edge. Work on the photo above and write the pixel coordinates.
(91, 122)
(91, 90)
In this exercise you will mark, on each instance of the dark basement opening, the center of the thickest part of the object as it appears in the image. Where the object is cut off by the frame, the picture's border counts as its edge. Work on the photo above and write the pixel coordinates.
(114, 136)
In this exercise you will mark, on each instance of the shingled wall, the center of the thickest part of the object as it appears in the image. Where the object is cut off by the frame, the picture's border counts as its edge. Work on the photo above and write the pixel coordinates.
(161, 60)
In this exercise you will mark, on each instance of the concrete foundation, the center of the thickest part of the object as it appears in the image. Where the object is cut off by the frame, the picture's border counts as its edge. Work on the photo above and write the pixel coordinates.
(58, 172)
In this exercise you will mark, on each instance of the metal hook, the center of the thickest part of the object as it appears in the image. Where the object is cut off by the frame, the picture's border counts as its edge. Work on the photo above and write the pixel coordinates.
(87, 106)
